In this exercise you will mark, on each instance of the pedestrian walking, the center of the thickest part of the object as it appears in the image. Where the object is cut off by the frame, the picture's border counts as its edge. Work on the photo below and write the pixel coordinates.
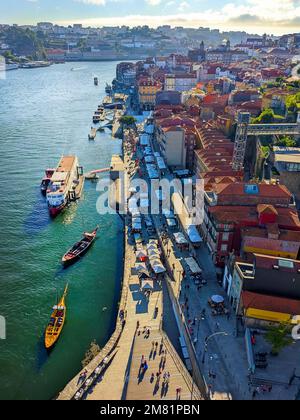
(178, 393)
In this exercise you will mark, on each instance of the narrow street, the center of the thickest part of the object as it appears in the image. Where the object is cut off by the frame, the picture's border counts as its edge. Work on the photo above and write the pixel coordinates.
(225, 363)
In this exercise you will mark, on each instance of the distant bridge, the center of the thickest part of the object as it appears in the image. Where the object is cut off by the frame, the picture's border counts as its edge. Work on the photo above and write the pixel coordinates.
(273, 129)
(93, 174)
(245, 129)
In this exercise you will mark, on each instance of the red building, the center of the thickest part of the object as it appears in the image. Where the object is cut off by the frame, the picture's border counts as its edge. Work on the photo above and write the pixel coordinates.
(230, 208)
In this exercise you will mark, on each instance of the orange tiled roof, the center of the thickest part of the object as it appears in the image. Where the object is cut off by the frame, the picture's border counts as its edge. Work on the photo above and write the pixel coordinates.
(287, 218)
(270, 303)
(265, 190)
(266, 208)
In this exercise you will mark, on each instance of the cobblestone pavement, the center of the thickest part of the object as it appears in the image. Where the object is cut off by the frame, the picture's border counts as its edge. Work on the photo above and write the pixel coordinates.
(225, 366)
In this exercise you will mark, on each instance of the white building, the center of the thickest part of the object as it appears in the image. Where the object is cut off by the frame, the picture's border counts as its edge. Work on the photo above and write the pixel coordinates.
(180, 82)
(172, 145)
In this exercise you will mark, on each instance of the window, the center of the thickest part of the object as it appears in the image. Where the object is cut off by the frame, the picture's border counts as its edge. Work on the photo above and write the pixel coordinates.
(225, 237)
(224, 248)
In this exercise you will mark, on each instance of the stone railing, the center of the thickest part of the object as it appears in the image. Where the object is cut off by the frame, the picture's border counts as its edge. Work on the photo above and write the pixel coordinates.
(195, 393)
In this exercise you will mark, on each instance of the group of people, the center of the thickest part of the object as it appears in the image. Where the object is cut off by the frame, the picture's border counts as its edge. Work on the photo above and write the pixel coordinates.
(160, 379)
(263, 389)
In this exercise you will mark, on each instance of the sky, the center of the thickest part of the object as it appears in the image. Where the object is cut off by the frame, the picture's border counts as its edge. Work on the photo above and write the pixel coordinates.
(254, 16)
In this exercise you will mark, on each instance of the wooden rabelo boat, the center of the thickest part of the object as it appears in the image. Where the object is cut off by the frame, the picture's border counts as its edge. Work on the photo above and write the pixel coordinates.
(80, 248)
(57, 321)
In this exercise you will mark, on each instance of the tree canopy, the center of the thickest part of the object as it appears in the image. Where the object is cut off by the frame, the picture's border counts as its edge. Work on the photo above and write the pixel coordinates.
(24, 42)
(279, 337)
(266, 117)
(292, 102)
(128, 120)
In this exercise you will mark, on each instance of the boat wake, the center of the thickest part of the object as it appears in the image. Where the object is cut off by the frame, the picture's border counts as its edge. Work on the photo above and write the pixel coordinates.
(39, 218)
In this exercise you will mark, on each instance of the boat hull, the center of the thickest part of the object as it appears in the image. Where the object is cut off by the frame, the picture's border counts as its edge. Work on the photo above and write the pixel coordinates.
(43, 191)
(55, 211)
(55, 327)
(67, 262)
(49, 345)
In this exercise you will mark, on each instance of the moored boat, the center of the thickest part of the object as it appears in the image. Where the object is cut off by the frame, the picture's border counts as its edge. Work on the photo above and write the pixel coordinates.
(93, 133)
(64, 184)
(11, 66)
(56, 323)
(108, 89)
(80, 248)
(96, 118)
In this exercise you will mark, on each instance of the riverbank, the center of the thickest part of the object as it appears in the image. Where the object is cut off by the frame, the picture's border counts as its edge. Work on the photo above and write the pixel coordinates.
(79, 388)
(140, 321)
(29, 284)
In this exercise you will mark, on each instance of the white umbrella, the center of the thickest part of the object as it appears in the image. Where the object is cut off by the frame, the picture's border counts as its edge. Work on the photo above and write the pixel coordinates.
(152, 247)
(153, 252)
(140, 267)
(141, 254)
(158, 268)
(217, 299)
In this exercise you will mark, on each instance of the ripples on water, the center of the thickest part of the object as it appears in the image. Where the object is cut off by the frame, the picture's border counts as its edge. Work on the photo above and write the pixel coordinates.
(45, 113)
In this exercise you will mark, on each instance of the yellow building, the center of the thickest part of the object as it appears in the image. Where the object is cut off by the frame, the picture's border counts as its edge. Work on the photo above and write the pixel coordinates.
(271, 241)
(270, 309)
(147, 90)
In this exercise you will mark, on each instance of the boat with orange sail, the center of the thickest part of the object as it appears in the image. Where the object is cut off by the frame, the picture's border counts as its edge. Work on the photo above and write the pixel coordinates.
(56, 323)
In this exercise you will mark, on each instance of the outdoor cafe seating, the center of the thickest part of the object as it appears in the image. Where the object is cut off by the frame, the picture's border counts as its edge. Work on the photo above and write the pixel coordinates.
(217, 305)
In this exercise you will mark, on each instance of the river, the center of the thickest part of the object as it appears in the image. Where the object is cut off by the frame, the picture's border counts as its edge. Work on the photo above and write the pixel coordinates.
(45, 113)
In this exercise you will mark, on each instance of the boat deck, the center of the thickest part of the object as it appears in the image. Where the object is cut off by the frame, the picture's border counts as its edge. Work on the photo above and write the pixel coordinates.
(79, 188)
(66, 163)
(93, 133)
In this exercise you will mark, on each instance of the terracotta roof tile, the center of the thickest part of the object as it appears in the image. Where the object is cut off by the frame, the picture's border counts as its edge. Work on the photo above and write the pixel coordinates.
(270, 303)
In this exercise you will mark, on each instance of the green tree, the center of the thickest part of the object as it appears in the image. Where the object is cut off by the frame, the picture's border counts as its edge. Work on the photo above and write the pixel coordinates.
(286, 141)
(24, 42)
(9, 56)
(267, 116)
(279, 338)
(128, 120)
(292, 101)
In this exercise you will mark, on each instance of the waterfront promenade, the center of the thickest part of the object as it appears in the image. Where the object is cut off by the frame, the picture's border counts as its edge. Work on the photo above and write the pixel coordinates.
(141, 325)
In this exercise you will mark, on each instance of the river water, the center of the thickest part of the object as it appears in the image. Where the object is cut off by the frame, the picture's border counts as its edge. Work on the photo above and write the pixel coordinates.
(45, 113)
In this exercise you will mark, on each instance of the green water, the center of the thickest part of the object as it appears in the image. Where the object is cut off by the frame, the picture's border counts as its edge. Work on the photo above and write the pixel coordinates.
(45, 113)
